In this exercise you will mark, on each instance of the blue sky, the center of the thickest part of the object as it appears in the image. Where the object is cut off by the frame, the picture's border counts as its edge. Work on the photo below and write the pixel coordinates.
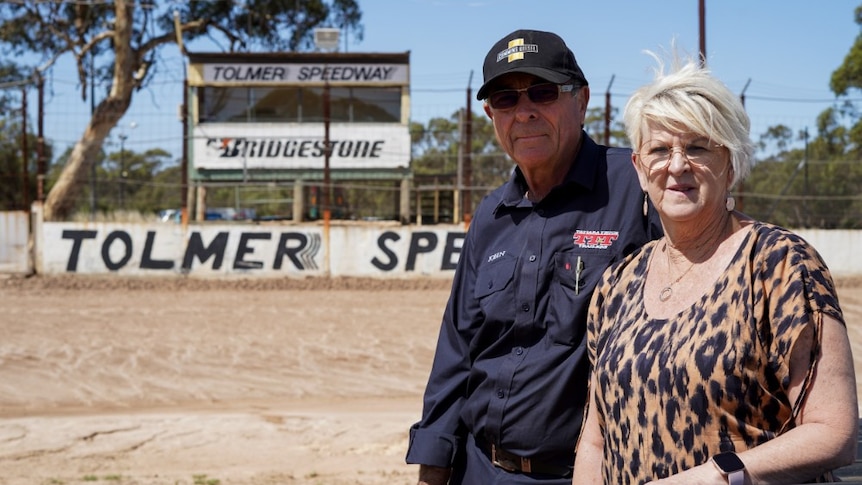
(785, 50)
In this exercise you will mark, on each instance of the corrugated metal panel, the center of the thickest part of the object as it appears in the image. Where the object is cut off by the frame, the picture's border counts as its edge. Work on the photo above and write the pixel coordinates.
(14, 237)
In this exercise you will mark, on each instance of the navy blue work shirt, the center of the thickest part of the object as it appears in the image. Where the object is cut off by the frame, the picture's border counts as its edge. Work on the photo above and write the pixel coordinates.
(511, 365)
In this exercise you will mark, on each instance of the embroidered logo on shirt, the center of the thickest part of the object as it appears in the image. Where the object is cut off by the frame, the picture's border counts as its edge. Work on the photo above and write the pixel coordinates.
(496, 256)
(595, 239)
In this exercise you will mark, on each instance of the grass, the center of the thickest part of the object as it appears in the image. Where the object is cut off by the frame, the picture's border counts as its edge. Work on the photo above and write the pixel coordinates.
(203, 480)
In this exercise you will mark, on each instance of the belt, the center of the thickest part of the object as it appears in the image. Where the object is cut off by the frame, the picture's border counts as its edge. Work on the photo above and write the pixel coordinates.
(519, 464)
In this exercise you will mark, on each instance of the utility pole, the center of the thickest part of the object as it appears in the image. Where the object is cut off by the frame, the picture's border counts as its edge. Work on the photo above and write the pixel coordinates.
(185, 195)
(467, 201)
(608, 111)
(40, 141)
(702, 22)
(25, 150)
(806, 220)
(93, 162)
(123, 174)
(327, 153)
(744, 89)
(740, 201)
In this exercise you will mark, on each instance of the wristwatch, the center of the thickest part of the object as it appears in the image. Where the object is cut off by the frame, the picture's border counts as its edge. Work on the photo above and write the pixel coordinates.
(731, 467)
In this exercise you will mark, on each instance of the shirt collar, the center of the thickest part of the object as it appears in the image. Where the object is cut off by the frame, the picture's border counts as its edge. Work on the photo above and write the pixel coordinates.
(582, 172)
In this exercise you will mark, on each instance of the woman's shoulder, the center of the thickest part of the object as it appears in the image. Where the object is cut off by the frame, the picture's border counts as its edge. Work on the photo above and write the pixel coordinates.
(773, 239)
(783, 255)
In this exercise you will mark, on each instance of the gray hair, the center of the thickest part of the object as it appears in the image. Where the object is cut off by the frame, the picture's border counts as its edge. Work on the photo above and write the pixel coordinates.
(690, 98)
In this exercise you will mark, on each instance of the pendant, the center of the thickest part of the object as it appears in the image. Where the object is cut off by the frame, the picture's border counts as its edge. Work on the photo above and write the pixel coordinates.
(665, 294)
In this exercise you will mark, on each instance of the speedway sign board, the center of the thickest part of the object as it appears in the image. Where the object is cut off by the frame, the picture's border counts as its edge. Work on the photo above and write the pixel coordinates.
(288, 73)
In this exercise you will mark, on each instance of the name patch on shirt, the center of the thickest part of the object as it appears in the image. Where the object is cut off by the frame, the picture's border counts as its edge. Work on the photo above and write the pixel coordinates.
(496, 256)
(595, 239)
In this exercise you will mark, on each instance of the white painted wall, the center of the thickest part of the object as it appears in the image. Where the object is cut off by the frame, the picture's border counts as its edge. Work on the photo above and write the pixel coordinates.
(386, 250)
(14, 242)
(233, 249)
(839, 248)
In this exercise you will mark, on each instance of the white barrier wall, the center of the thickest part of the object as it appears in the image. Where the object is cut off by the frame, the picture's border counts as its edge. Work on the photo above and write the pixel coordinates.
(14, 242)
(273, 251)
(279, 250)
(207, 250)
(838, 247)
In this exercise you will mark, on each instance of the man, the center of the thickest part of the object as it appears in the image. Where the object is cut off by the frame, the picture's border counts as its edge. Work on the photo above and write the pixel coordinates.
(506, 395)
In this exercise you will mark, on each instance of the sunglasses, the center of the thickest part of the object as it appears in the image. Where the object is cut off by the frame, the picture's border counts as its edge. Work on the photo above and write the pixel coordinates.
(538, 93)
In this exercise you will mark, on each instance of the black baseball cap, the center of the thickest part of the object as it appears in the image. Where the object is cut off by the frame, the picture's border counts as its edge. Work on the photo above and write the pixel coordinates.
(541, 54)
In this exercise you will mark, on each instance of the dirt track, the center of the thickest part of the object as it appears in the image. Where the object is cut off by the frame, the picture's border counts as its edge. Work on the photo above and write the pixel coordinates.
(188, 381)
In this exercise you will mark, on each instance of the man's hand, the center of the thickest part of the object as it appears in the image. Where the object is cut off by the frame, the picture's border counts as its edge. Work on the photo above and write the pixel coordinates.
(433, 475)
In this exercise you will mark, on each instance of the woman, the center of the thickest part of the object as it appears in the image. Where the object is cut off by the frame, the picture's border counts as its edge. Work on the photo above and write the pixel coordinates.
(719, 351)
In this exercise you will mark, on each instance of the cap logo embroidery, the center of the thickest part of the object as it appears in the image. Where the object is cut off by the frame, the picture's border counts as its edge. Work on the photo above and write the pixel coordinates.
(516, 50)
(595, 239)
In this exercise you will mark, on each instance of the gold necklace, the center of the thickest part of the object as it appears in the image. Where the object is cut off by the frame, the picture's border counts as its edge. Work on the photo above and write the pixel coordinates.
(667, 292)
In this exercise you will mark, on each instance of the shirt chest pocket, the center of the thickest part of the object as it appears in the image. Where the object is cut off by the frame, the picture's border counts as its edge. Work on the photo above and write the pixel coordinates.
(494, 289)
(575, 277)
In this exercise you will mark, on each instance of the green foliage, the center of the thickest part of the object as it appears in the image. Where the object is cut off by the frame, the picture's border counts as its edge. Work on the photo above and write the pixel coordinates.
(12, 173)
(203, 480)
(817, 184)
(436, 151)
(813, 186)
(118, 44)
(43, 31)
(799, 179)
(151, 182)
(849, 75)
(596, 125)
(12, 193)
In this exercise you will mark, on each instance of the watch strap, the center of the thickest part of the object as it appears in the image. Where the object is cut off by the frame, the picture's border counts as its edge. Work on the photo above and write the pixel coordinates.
(730, 466)
(736, 478)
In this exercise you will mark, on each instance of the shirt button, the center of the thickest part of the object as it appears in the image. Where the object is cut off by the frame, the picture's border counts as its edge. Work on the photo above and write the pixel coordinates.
(525, 307)
(519, 350)
(490, 284)
(500, 394)
(532, 258)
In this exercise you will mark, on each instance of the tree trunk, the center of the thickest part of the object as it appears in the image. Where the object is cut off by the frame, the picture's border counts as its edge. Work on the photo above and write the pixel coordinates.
(62, 198)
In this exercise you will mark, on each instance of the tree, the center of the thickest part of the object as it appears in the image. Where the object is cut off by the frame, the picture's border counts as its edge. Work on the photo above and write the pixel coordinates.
(594, 125)
(849, 74)
(132, 176)
(436, 151)
(436, 148)
(125, 38)
(819, 184)
(15, 191)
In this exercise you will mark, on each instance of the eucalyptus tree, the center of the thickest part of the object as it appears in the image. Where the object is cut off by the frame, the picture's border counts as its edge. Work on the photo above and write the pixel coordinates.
(120, 41)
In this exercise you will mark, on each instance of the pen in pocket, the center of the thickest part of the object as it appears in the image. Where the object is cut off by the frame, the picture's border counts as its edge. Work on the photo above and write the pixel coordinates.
(579, 267)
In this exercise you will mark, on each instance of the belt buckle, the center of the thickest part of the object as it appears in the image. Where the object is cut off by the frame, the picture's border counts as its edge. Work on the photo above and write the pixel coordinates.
(509, 464)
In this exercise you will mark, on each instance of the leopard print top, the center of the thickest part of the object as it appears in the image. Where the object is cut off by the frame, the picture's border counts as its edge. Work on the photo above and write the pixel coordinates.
(673, 392)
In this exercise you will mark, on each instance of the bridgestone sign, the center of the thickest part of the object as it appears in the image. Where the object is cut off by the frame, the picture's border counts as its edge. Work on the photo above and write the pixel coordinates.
(302, 146)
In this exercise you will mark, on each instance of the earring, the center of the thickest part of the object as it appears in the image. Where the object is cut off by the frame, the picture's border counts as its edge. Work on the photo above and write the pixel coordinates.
(646, 205)
(730, 203)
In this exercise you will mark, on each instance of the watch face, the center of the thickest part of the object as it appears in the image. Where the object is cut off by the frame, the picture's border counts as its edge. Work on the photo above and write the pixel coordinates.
(728, 462)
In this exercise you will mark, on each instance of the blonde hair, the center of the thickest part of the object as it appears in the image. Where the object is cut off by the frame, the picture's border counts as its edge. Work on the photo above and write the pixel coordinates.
(690, 98)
